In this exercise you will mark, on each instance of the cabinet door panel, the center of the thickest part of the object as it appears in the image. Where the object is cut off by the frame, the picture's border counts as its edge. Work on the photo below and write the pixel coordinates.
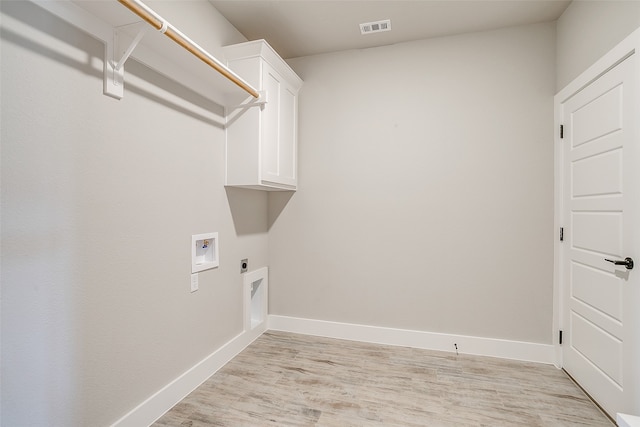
(287, 150)
(270, 125)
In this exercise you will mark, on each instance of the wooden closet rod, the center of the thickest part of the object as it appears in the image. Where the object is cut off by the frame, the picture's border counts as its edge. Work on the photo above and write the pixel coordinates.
(157, 22)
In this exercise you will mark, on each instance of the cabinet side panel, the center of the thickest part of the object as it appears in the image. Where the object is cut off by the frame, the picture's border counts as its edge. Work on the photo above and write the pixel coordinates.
(242, 149)
(243, 131)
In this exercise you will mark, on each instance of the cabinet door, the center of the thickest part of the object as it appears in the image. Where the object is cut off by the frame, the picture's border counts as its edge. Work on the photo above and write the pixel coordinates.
(287, 157)
(278, 142)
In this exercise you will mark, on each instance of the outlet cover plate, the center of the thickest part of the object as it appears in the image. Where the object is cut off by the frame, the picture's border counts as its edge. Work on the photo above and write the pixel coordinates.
(194, 282)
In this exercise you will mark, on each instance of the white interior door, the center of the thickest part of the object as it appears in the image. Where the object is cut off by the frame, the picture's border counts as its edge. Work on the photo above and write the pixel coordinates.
(600, 216)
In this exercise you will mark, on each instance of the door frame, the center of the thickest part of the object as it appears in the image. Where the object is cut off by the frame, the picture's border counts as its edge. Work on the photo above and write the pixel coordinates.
(629, 46)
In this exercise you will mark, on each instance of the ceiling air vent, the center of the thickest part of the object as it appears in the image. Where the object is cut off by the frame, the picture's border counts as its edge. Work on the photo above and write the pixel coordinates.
(375, 27)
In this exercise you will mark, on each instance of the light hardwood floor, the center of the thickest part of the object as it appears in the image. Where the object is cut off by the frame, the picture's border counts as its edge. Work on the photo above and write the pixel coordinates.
(285, 379)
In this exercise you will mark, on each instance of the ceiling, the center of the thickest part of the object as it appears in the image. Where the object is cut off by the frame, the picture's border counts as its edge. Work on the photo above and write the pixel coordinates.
(308, 27)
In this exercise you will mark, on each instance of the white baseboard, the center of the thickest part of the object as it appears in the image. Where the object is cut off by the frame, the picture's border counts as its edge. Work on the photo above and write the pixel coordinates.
(515, 350)
(625, 420)
(155, 406)
(166, 398)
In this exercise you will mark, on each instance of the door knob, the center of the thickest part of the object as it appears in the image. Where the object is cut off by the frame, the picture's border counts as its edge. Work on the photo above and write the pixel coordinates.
(628, 262)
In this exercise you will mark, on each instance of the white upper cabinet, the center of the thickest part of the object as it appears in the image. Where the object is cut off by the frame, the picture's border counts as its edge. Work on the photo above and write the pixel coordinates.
(262, 140)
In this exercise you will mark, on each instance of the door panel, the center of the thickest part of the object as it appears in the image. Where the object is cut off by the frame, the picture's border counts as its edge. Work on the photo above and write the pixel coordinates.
(288, 137)
(608, 181)
(597, 231)
(598, 318)
(279, 130)
(597, 346)
(598, 289)
(270, 128)
(607, 107)
(599, 214)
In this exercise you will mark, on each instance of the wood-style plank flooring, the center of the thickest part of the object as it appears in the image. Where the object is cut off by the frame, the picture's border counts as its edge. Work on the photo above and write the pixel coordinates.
(285, 379)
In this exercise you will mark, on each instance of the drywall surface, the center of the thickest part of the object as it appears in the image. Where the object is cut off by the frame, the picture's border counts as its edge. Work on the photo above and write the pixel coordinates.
(589, 29)
(425, 196)
(100, 198)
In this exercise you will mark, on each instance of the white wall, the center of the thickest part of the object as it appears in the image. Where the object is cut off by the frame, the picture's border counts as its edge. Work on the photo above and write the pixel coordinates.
(589, 29)
(425, 202)
(425, 199)
(99, 201)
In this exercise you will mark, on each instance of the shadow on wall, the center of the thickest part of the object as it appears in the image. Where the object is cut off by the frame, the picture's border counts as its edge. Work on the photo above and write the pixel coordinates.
(248, 210)
(256, 211)
(31, 15)
(277, 202)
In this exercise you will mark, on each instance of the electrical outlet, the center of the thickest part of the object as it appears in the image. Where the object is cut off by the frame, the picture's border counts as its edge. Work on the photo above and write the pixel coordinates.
(244, 265)
(194, 282)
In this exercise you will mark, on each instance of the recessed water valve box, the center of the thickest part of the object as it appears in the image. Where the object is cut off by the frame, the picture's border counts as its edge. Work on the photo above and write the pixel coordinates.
(204, 252)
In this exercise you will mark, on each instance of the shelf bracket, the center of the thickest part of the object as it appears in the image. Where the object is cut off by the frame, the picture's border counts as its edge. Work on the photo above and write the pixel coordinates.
(234, 112)
(114, 66)
(260, 101)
